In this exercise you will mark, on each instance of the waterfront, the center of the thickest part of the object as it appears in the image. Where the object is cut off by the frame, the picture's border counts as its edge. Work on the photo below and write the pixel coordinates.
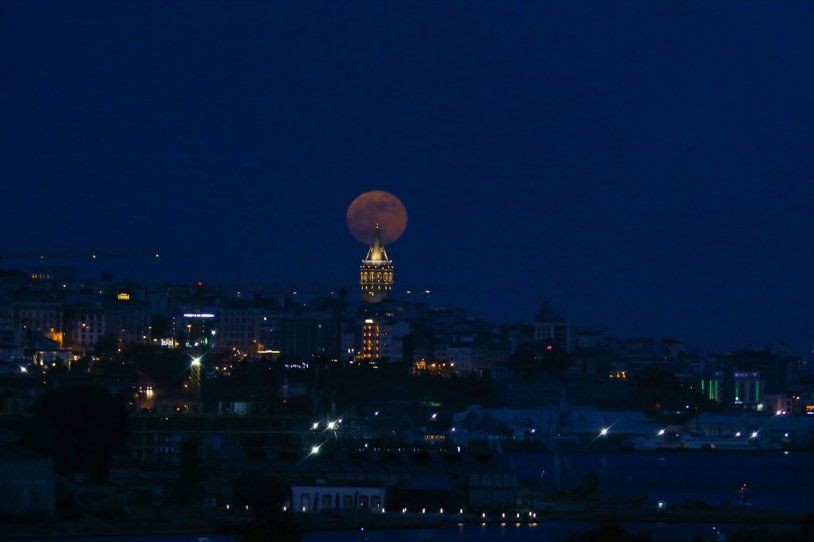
(778, 481)
(542, 532)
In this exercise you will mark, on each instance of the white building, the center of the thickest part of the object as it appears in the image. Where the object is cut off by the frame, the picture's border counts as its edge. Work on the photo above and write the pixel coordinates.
(319, 495)
(87, 327)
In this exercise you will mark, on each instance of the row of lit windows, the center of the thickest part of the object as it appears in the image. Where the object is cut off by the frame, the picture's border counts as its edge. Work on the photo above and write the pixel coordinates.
(377, 275)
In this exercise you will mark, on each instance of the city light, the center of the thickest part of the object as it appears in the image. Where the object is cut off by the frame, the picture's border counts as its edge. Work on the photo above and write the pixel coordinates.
(754, 434)
(315, 426)
(314, 450)
(604, 431)
(331, 426)
(661, 432)
(196, 362)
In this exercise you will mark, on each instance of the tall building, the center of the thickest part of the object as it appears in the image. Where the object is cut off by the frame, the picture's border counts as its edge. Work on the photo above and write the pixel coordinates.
(376, 272)
(370, 347)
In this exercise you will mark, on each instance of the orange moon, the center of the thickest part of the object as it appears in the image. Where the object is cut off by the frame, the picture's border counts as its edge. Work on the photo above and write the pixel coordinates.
(376, 207)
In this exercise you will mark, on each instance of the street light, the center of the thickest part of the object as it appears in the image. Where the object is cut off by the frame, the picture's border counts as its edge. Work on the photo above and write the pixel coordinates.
(604, 432)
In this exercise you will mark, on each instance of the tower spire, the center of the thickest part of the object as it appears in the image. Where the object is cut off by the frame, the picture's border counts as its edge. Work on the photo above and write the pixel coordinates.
(376, 252)
(376, 270)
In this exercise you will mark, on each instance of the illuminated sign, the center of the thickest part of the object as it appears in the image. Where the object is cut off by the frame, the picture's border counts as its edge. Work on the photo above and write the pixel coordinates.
(198, 315)
(123, 296)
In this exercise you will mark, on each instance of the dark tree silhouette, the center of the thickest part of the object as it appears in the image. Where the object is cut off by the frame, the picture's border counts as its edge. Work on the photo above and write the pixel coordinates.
(80, 427)
(549, 359)
(169, 368)
(189, 471)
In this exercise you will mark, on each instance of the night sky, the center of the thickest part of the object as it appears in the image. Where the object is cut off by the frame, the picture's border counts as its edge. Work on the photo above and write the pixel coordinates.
(646, 165)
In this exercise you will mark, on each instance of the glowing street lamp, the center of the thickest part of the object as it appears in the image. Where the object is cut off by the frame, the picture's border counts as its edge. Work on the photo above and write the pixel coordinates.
(604, 432)
(314, 450)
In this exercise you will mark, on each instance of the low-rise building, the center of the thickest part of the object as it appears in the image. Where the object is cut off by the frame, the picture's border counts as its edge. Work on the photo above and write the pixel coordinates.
(323, 495)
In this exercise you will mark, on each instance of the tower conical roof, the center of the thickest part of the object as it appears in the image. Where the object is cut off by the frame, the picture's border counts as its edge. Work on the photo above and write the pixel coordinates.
(376, 252)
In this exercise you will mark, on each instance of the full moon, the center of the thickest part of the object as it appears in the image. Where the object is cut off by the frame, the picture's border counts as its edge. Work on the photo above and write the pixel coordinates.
(376, 207)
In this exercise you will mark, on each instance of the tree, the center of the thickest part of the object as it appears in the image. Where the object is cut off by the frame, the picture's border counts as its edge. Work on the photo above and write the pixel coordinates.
(107, 345)
(80, 427)
(522, 360)
(553, 359)
(548, 358)
(169, 367)
(159, 326)
(189, 471)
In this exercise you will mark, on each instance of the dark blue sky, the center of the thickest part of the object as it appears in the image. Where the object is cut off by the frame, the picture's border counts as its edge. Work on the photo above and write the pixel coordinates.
(647, 165)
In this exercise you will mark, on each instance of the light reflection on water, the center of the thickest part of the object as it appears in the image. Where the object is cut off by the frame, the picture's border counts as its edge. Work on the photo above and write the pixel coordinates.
(542, 532)
(778, 481)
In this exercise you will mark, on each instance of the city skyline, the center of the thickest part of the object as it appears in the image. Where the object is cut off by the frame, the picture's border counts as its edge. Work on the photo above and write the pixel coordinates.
(328, 271)
(644, 181)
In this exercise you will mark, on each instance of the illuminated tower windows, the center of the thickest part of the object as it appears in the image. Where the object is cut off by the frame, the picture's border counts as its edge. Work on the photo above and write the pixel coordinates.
(376, 272)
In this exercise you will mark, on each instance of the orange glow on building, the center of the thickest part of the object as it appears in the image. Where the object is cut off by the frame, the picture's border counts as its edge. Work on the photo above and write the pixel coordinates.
(56, 336)
(371, 341)
(424, 367)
